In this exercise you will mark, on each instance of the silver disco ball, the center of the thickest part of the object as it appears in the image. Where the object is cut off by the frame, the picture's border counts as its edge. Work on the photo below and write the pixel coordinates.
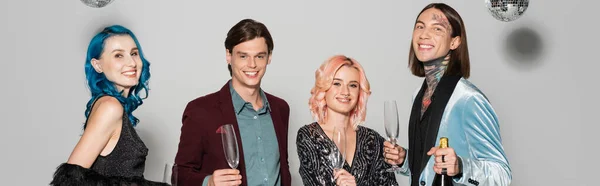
(96, 3)
(507, 10)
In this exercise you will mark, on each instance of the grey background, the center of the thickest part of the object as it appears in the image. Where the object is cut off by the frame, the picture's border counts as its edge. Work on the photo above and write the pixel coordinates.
(538, 72)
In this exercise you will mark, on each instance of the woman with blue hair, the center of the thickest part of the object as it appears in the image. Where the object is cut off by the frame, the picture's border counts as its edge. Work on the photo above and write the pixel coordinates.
(110, 152)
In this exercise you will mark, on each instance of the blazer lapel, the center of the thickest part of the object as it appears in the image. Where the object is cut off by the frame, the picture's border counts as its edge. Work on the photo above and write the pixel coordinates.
(440, 98)
(277, 123)
(280, 132)
(226, 105)
(415, 120)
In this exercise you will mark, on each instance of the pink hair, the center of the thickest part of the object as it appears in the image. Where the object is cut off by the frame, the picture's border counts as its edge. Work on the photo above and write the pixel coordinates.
(323, 81)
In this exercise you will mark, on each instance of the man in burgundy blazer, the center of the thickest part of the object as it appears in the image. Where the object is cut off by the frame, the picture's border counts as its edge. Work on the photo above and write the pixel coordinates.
(200, 155)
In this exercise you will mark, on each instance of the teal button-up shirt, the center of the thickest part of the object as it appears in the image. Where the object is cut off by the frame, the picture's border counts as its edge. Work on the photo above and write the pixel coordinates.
(259, 142)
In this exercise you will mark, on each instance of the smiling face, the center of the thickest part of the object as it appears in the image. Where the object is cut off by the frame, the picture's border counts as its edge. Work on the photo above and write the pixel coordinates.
(120, 62)
(432, 36)
(248, 62)
(343, 94)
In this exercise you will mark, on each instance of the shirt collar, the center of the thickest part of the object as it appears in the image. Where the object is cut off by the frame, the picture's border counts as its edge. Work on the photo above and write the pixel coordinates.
(239, 103)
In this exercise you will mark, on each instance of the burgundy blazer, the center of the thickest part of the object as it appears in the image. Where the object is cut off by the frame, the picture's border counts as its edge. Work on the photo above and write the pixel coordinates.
(200, 150)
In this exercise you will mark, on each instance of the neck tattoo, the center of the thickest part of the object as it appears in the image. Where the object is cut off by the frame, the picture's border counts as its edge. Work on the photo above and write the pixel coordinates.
(434, 70)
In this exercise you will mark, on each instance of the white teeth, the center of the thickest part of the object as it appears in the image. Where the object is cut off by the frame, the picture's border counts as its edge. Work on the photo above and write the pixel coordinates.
(250, 73)
(426, 46)
(129, 73)
(343, 100)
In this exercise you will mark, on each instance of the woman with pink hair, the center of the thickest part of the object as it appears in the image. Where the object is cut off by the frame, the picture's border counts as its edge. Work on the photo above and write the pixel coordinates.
(339, 100)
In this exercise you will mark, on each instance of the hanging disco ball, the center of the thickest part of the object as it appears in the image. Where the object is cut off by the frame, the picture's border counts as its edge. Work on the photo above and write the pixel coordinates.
(507, 10)
(96, 3)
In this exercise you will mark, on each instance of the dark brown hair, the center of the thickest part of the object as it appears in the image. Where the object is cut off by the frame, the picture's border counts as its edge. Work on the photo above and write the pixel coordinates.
(459, 57)
(246, 30)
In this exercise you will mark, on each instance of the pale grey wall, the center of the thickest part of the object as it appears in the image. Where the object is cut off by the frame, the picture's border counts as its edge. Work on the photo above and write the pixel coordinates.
(546, 102)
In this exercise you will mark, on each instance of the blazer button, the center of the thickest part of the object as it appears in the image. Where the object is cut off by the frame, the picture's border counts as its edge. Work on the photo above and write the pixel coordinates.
(422, 182)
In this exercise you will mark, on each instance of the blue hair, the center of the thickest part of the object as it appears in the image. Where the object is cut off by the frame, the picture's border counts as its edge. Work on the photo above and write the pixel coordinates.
(98, 83)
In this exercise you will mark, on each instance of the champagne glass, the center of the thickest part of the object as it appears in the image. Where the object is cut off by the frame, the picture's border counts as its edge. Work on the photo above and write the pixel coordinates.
(338, 152)
(390, 115)
(170, 174)
(230, 145)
